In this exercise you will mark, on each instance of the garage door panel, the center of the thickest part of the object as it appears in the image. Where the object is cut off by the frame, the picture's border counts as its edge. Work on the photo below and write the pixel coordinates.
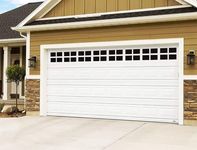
(111, 100)
(120, 82)
(114, 73)
(113, 91)
(123, 82)
(114, 110)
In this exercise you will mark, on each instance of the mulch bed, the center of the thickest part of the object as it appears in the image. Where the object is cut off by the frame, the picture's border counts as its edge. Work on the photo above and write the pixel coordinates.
(15, 115)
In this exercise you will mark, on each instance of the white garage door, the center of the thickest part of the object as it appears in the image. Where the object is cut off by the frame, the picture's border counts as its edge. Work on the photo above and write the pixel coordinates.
(134, 83)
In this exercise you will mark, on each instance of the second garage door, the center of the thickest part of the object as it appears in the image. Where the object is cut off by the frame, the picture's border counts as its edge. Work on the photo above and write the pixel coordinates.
(132, 82)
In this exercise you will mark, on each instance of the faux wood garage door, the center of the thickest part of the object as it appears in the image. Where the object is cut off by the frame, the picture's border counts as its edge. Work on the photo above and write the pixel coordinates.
(134, 83)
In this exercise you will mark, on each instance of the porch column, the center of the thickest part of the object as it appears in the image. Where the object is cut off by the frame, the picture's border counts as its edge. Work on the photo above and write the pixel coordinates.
(6, 63)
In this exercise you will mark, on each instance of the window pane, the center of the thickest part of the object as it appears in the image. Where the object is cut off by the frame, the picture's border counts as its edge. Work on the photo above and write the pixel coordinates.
(59, 59)
(53, 54)
(66, 54)
(53, 59)
(128, 57)
(96, 58)
(103, 52)
(145, 51)
(119, 52)
(146, 57)
(88, 59)
(154, 50)
(136, 57)
(73, 59)
(164, 57)
(128, 51)
(73, 53)
(88, 52)
(154, 57)
(81, 53)
(96, 52)
(59, 53)
(172, 57)
(136, 51)
(172, 50)
(119, 58)
(163, 50)
(112, 58)
(103, 58)
(81, 59)
(66, 59)
(112, 52)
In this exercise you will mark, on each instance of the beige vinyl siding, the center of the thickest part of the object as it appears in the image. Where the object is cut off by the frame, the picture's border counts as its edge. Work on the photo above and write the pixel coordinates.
(90, 6)
(76, 7)
(186, 30)
(112, 5)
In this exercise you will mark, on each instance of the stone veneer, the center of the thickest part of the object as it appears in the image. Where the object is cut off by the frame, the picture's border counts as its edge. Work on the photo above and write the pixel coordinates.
(32, 95)
(190, 91)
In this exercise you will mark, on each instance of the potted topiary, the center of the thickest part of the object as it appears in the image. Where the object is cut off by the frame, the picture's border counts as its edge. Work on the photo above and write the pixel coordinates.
(15, 74)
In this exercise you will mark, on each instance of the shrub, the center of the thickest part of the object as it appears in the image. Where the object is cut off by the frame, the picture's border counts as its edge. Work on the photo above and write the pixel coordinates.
(1, 107)
(15, 74)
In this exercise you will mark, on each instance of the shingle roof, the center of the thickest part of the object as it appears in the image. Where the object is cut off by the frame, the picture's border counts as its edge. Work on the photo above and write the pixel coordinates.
(13, 18)
(116, 16)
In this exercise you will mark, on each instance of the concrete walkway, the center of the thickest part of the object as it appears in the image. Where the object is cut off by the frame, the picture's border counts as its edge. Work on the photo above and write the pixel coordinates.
(53, 133)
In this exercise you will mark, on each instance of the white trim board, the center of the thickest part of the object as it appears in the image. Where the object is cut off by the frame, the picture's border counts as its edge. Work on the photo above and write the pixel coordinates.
(16, 40)
(44, 51)
(190, 77)
(110, 22)
(32, 77)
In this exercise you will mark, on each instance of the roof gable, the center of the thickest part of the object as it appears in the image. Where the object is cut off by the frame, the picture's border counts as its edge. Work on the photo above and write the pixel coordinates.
(79, 7)
(13, 18)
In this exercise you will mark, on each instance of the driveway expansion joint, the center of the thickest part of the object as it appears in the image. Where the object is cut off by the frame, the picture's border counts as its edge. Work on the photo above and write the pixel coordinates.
(125, 135)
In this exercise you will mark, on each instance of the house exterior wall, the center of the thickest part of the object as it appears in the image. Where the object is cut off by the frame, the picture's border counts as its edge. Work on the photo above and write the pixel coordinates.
(77, 7)
(186, 30)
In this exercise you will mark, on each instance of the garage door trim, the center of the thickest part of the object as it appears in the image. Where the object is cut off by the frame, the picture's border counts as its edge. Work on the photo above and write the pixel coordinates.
(44, 60)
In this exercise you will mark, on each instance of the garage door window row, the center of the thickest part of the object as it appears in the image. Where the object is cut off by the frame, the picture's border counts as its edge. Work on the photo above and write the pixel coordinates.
(145, 54)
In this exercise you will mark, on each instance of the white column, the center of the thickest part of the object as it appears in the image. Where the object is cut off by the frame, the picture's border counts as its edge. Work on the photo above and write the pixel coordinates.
(6, 62)
(21, 64)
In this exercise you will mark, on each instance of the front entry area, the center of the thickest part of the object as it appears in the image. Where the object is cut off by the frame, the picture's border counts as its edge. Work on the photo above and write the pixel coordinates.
(113, 80)
(13, 55)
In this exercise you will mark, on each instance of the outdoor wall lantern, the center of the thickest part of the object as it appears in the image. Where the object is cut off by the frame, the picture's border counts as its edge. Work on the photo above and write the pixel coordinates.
(191, 56)
(32, 62)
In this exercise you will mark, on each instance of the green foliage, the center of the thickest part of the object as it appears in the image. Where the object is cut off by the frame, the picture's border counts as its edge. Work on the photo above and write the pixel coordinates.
(15, 73)
(1, 107)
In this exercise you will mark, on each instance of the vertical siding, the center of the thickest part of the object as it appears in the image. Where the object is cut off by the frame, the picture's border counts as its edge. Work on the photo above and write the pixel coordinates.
(90, 6)
(135, 4)
(161, 3)
(148, 3)
(186, 30)
(76, 7)
(101, 6)
(123, 5)
(69, 6)
(112, 5)
(79, 7)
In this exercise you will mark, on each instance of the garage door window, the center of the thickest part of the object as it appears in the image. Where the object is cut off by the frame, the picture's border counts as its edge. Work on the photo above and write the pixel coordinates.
(111, 55)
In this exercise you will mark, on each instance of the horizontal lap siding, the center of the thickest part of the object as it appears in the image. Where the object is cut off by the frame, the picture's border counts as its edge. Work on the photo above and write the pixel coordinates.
(185, 30)
(76, 7)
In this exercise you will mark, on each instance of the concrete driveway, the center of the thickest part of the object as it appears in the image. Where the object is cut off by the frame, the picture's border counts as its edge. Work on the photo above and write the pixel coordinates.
(53, 133)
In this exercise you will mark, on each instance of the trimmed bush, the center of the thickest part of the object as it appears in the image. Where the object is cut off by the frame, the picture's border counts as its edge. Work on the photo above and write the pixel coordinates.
(1, 107)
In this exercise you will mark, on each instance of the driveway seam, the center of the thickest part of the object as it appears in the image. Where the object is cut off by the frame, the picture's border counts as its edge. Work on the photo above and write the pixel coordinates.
(122, 137)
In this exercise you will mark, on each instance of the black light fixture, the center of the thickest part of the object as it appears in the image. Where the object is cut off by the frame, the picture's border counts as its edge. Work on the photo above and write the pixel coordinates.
(191, 56)
(32, 62)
